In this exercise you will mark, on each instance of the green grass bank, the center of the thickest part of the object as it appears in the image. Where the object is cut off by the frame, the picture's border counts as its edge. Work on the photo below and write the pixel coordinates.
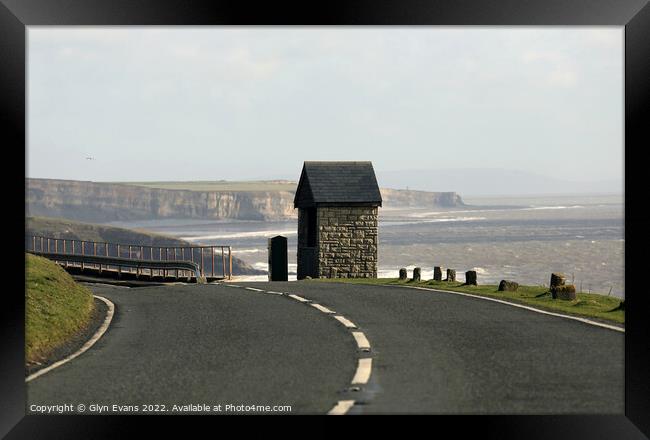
(587, 305)
(56, 307)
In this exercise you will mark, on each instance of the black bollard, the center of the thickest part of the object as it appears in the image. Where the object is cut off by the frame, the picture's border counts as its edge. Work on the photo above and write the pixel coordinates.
(470, 278)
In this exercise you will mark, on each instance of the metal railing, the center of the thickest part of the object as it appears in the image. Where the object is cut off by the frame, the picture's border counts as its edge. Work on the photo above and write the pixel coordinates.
(181, 269)
(130, 254)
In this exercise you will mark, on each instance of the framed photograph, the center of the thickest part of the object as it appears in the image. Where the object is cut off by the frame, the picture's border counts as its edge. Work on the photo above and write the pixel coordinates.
(395, 208)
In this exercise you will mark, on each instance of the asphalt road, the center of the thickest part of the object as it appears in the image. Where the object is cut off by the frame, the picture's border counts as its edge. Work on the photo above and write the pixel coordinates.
(432, 352)
(206, 344)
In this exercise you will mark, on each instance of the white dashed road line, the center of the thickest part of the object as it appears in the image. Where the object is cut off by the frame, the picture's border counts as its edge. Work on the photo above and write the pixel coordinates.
(345, 322)
(322, 308)
(362, 341)
(342, 407)
(363, 372)
(364, 368)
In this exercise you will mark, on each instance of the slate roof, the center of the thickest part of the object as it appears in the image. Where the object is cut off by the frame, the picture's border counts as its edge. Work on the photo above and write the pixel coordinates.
(337, 184)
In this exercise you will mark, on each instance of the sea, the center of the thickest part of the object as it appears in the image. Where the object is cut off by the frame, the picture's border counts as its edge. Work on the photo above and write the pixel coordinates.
(518, 238)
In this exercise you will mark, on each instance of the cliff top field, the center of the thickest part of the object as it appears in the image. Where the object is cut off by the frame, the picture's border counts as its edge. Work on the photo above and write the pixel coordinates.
(245, 186)
(219, 185)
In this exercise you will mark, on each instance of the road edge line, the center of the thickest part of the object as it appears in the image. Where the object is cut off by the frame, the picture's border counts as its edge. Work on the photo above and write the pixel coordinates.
(89, 343)
(522, 306)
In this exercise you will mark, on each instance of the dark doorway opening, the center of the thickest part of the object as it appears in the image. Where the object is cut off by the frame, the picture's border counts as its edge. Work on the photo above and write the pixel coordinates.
(311, 227)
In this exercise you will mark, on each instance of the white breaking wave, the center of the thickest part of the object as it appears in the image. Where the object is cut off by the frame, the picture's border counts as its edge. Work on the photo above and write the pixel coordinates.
(427, 272)
(538, 208)
(431, 213)
(388, 273)
(531, 208)
(453, 219)
(242, 235)
(434, 220)
(262, 265)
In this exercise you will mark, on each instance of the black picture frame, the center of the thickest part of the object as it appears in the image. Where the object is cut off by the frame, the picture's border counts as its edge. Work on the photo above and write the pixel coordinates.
(15, 15)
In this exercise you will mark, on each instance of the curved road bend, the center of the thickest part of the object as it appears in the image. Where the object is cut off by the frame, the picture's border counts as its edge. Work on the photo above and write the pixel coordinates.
(206, 344)
(436, 352)
(432, 352)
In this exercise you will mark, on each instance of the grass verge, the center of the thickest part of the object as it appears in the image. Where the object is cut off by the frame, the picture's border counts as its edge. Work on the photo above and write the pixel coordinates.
(56, 307)
(588, 305)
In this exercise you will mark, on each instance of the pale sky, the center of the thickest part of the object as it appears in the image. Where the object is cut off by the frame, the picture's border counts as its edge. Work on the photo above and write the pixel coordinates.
(241, 103)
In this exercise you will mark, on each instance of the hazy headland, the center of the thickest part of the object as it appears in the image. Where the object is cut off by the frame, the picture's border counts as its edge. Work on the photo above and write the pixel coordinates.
(523, 237)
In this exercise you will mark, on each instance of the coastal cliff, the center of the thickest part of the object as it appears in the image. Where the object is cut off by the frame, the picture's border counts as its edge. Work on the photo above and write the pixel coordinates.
(104, 202)
(404, 198)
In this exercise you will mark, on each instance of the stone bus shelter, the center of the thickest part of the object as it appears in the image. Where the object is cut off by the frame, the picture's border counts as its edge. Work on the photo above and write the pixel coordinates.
(337, 220)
